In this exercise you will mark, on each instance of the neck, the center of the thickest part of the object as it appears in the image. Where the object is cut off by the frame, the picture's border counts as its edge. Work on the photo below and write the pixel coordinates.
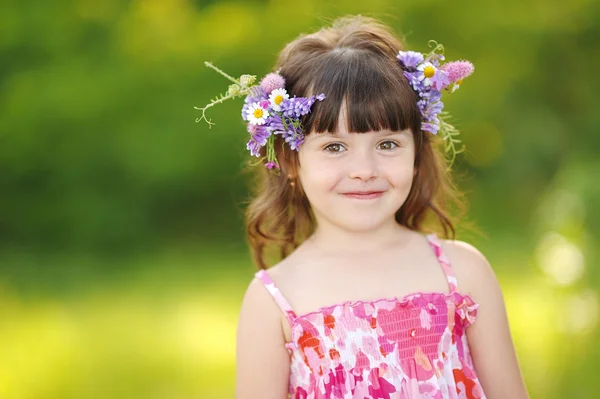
(333, 239)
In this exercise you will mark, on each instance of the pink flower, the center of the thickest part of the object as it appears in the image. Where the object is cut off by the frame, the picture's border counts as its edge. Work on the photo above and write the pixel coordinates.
(271, 82)
(458, 70)
(271, 165)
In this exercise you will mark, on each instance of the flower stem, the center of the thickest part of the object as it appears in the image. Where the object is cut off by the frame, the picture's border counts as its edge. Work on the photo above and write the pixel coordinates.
(208, 64)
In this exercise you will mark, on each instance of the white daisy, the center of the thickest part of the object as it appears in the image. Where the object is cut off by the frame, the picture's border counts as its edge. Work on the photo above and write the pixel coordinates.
(276, 97)
(428, 71)
(257, 115)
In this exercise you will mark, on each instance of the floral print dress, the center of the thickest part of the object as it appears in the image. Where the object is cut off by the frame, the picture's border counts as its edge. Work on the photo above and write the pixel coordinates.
(393, 348)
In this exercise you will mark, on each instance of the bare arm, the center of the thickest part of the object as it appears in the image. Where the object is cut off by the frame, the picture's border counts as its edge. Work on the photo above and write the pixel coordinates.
(262, 361)
(489, 337)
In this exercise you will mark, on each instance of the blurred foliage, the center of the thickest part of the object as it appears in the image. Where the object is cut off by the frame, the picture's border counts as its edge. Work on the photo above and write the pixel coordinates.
(122, 253)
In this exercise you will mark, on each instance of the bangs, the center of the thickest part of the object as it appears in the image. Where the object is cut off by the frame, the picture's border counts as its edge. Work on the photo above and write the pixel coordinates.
(371, 88)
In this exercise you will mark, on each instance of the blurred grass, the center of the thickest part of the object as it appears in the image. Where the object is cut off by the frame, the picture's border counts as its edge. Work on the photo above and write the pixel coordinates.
(165, 331)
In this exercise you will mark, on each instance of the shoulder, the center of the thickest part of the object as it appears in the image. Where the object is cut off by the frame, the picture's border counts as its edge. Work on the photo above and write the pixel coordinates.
(261, 355)
(258, 301)
(490, 341)
(259, 320)
(462, 250)
(473, 271)
(258, 304)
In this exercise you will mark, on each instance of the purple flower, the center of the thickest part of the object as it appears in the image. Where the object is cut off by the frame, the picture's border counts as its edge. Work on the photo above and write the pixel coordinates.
(413, 79)
(297, 106)
(430, 127)
(261, 135)
(253, 147)
(293, 136)
(258, 138)
(432, 111)
(295, 141)
(440, 80)
(429, 103)
(427, 85)
(275, 124)
(410, 59)
(251, 128)
(285, 122)
(256, 94)
(434, 96)
(288, 127)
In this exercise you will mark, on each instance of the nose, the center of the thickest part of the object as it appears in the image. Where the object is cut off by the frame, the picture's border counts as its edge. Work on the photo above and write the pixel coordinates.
(363, 165)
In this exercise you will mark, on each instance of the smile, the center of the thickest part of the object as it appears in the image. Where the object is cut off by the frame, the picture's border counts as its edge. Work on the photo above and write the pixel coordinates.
(364, 196)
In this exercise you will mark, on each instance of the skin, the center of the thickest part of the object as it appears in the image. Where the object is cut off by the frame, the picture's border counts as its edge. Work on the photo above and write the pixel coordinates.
(352, 234)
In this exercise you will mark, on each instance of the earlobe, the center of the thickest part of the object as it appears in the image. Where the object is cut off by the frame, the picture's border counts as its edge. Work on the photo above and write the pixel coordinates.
(291, 180)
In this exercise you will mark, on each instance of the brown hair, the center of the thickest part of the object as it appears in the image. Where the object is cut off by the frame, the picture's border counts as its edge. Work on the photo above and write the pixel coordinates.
(354, 64)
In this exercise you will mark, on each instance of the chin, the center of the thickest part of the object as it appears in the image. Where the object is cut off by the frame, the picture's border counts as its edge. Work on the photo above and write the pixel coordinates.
(360, 224)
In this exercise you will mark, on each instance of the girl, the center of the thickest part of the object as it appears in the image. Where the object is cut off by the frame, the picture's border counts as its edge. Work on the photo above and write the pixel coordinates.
(365, 303)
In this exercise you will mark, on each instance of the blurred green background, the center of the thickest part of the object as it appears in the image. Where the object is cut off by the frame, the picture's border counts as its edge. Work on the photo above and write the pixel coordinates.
(123, 259)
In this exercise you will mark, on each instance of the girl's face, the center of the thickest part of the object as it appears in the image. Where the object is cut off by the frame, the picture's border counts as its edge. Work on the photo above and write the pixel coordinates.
(333, 167)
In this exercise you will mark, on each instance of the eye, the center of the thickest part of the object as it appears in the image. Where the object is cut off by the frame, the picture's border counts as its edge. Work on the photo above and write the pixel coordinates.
(388, 145)
(334, 148)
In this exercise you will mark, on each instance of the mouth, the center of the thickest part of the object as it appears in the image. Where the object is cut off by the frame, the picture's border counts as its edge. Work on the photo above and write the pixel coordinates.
(364, 195)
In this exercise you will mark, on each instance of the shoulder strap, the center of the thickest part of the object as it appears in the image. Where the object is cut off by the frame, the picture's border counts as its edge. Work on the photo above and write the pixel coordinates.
(283, 304)
(444, 261)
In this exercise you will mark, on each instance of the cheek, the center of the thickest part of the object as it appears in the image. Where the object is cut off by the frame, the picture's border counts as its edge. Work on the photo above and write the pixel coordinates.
(318, 180)
(315, 174)
(318, 183)
(401, 174)
(404, 180)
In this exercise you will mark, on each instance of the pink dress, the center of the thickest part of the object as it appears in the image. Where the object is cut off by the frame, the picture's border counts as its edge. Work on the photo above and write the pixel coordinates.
(393, 348)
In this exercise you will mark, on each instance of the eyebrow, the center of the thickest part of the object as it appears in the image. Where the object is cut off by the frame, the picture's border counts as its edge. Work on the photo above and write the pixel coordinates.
(387, 133)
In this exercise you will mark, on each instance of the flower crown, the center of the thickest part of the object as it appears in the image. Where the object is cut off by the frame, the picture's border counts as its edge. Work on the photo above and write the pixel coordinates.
(428, 78)
(269, 110)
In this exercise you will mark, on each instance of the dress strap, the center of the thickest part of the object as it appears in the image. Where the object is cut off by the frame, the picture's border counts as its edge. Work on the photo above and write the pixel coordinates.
(444, 261)
(283, 304)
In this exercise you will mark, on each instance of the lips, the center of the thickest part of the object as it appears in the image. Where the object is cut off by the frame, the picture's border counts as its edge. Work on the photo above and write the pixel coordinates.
(363, 194)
